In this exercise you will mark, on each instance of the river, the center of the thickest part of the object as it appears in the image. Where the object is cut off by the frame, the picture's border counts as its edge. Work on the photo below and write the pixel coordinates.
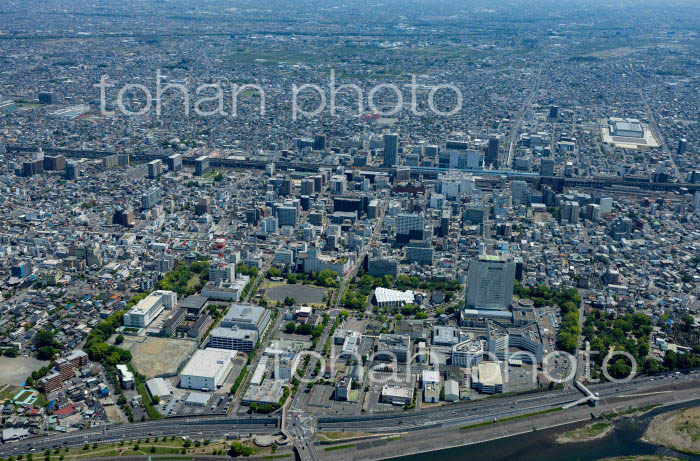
(624, 440)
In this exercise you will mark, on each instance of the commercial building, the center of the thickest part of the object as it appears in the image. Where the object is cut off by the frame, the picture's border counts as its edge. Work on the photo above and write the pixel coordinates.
(124, 217)
(629, 127)
(430, 380)
(486, 378)
(396, 395)
(492, 152)
(522, 343)
(391, 149)
(445, 336)
(468, 353)
(233, 339)
(412, 225)
(269, 392)
(207, 369)
(421, 254)
(393, 347)
(72, 171)
(54, 163)
(451, 390)
(247, 317)
(491, 281)
(47, 98)
(287, 216)
(547, 167)
(379, 267)
(32, 167)
(143, 313)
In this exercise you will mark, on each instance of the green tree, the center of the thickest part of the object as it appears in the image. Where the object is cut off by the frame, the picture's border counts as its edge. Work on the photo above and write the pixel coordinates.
(238, 449)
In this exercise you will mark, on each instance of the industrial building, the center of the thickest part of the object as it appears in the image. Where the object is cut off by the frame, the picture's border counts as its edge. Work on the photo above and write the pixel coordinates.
(160, 387)
(207, 369)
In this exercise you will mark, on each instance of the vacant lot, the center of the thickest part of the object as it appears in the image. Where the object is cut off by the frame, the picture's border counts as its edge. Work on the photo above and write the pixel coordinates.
(679, 430)
(15, 370)
(154, 356)
(303, 294)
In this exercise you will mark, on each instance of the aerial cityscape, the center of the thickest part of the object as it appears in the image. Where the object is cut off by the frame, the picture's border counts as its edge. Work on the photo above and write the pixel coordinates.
(366, 230)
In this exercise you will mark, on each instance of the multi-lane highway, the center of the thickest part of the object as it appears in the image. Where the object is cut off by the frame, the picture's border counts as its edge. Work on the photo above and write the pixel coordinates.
(196, 428)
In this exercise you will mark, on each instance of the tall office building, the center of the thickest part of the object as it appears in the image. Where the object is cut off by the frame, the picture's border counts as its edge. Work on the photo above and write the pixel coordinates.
(47, 98)
(491, 281)
(270, 225)
(553, 112)
(32, 167)
(547, 167)
(287, 216)
(391, 149)
(175, 162)
(71, 170)
(319, 142)
(201, 165)
(203, 206)
(124, 217)
(252, 216)
(284, 186)
(54, 163)
(307, 186)
(409, 227)
(445, 223)
(682, 146)
(492, 152)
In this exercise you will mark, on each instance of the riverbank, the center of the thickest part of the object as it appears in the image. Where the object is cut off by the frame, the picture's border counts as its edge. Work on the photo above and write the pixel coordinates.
(678, 430)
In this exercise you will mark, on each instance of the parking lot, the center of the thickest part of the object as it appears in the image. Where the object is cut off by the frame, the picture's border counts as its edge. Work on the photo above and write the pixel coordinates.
(217, 404)
(321, 400)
